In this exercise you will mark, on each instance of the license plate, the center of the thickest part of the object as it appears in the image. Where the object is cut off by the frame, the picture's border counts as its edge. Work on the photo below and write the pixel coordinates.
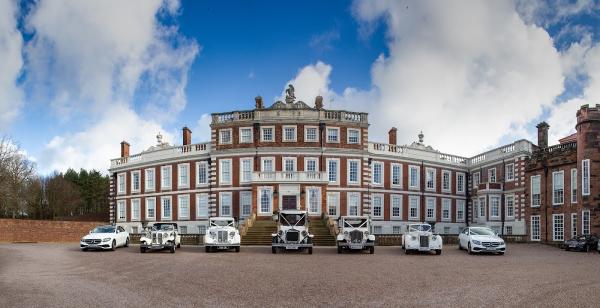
(356, 246)
(292, 247)
(92, 245)
(490, 248)
(572, 245)
(222, 247)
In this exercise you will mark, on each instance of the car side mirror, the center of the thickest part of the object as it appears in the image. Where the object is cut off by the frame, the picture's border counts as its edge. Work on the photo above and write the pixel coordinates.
(118, 231)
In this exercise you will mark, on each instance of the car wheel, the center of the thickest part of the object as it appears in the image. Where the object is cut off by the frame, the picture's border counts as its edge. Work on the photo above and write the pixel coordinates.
(501, 253)
(372, 249)
(310, 250)
(567, 248)
(85, 249)
(179, 245)
(206, 249)
(459, 246)
(273, 250)
(339, 249)
(172, 249)
(237, 249)
(406, 251)
(114, 245)
(142, 250)
(586, 248)
(438, 252)
(127, 242)
(469, 249)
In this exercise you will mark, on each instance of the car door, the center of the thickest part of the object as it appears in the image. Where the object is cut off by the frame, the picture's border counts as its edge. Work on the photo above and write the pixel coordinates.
(464, 238)
(121, 236)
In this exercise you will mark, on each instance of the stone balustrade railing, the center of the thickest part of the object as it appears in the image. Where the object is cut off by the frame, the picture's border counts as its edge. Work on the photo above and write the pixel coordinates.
(304, 114)
(167, 152)
(289, 176)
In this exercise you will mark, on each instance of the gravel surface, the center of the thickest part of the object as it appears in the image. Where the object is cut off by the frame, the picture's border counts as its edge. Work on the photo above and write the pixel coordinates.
(60, 275)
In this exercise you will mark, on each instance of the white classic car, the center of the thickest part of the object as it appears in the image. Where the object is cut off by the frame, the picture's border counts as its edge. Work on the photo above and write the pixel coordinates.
(105, 237)
(419, 237)
(161, 236)
(355, 234)
(222, 234)
(481, 239)
(292, 232)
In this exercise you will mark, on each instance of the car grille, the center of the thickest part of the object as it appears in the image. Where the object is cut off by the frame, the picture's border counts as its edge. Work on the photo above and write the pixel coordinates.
(222, 236)
(424, 241)
(157, 238)
(490, 244)
(356, 236)
(93, 241)
(292, 236)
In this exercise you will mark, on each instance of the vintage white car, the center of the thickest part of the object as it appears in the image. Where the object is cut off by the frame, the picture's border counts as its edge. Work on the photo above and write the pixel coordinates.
(355, 234)
(292, 232)
(481, 239)
(161, 236)
(105, 237)
(420, 237)
(222, 234)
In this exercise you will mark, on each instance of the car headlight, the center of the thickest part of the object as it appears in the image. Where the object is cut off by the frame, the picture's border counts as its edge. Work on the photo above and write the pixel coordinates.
(280, 232)
(304, 233)
(434, 237)
(82, 240)
(231, 234)
(346, 233)
(366, 233)
(212, 234)
(476, 242)
(106, 239)
(412, 237)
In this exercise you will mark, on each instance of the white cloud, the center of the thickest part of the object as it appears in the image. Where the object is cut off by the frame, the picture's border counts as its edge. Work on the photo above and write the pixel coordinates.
(201, 132)
(11, 62)
(466, 73)
(311, 81)
(324, 41)
(546, 13)
(111, 64)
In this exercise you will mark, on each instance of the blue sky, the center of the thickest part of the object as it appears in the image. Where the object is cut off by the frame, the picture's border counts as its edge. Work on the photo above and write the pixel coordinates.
(79, 77)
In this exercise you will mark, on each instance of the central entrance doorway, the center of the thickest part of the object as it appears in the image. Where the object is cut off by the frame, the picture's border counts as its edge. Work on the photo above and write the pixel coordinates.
(288, 202)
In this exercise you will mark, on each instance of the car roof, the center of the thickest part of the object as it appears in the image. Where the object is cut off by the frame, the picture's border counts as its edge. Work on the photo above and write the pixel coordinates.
(292, 212)
(354, 217)
(222, 218)
(106, 226)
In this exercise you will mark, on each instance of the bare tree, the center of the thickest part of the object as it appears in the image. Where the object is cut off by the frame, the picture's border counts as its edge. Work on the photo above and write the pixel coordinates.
(16, 172)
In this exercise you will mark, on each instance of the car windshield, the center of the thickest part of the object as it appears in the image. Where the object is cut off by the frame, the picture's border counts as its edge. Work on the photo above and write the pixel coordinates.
(482, 231)
(105, 229)
(420, 228)
(163, 227)
(293, 219)
(355, 223)
(221, 223)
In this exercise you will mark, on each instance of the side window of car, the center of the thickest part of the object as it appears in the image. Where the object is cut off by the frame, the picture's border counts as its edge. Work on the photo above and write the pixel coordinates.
(121, 229)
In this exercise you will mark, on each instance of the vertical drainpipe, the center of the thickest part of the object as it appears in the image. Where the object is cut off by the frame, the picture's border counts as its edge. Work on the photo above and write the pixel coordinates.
(502, 197)
(545, 207)
(422, 205)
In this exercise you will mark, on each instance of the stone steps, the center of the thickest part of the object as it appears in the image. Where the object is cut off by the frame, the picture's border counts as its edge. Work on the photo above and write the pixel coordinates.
(260, 233)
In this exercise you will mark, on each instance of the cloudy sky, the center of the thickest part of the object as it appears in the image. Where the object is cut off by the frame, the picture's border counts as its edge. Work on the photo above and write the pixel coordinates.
(77, 77)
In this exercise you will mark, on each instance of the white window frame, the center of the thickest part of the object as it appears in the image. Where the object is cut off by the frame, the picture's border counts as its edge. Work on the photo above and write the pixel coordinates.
(428, 202)
(333, 201)
(417, 170)
(460, 210)
(147, 216)
(433, 182)
(446, 202)
(353, 196)
(535, 233)
(222, 179)
(382, 175)
(245, 201)
(242, 171)
(396, 203)
(497, 201)
(202, 199)
(262, 133)
(315, 159)
(507, 200)
(399, 166)
(358, 167)
(169, 179)
(283, 134)
(539, 181)
(186, 182)
(309, 198)
(306, 134)
(294, 161)
(558, 230)
(139, 181)
(121, 183)
(585, 222)
(414, 205)
(260, 191)
(221, 135)
(557, 199)
(262, 164)
(224, 195)
(495, 175)
(482, 207)
(449, 173)
(133, 203)
(206, 173)
(180, 207)
(476, 175)
(357, 134)
(460, 183)
(574, 185)
(382, 212)
(337, 177)
(573, 225)
(162, 208)
(327, 134)
(147, 178)
(121, 209)
(509, 176)
(243, 128)
(585, 177)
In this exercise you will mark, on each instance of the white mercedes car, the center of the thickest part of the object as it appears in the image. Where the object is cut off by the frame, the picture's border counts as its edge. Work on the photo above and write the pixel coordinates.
(481, 239)
(105, 237)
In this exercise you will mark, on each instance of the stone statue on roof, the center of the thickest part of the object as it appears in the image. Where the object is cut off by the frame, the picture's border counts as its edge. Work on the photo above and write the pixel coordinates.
(289, 94)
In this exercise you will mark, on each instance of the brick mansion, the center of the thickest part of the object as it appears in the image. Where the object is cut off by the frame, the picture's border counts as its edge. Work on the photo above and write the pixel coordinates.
(292, 155)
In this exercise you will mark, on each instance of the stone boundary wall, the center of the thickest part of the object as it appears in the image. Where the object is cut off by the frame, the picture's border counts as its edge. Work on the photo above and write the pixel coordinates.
(44, 231)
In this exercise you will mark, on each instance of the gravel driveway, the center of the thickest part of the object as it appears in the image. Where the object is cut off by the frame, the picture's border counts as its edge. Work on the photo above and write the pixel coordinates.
(529, 275)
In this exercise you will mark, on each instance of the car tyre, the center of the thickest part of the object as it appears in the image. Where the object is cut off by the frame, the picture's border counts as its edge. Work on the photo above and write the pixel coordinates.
(127, 242)
(586, 248)
(84, 249)
(172, 249)
(469, 250)
(237, 249)
(206, 249)
(372, 249)
(273, 250)
(459, 246)
(142, 250)
(114, 245)
(179, 245)
(406, 251)
(438, 252)
(310, 250)
(567, 248)
(339, 249)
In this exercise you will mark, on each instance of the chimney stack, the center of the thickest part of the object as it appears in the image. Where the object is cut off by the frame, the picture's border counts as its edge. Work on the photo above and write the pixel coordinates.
(124, 149)
(392, 136)
(259, 102)
(543, 135)
(187, 136)
(319, 102)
